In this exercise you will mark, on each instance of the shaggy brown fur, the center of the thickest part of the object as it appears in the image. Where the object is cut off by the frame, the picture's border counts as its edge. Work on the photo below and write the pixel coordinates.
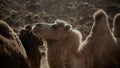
(32, 45)
(12, 53)
(100, 49)
(62, 41)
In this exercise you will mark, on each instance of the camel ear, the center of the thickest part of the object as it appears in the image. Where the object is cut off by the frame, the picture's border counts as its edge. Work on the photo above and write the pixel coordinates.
(68, 27)
(28, 27)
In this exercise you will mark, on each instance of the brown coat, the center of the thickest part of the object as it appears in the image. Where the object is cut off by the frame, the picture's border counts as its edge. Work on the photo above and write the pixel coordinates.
(12, 52)
(31, 45)
(100, 49)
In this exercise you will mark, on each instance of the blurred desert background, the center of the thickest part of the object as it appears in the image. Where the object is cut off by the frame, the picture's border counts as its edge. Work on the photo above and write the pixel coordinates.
(78, 13)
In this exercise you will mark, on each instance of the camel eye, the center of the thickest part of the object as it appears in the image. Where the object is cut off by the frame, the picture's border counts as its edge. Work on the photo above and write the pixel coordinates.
(54, 26)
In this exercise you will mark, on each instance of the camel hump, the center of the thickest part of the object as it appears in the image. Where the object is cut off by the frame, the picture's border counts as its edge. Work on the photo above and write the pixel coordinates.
(99, 15)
